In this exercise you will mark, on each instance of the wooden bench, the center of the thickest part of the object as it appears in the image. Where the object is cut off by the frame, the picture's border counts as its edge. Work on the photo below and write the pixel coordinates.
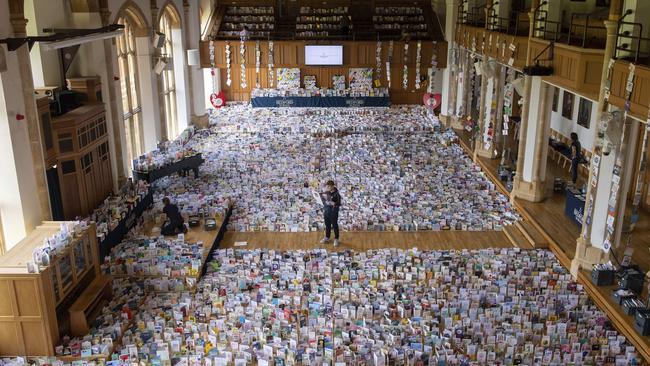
(84, 310)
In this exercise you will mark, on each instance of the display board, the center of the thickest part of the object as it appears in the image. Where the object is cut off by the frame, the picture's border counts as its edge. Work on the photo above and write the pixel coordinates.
(317, 55)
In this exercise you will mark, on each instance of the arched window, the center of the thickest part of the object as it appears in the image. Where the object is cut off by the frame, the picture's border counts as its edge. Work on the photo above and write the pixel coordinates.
(168, 83)
(126, 57)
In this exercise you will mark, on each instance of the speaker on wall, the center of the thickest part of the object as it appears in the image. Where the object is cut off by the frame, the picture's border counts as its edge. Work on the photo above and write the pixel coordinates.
(193, 58)
(160, 66)
(158, 40)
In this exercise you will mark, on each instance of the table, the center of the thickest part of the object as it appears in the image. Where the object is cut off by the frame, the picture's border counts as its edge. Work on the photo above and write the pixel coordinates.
(317, 101)
(115, 236)
(574, 206)
(192, 162)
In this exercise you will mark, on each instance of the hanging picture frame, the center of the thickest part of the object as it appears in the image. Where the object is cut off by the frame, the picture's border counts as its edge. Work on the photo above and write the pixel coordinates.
(584, 112)
(567, 105)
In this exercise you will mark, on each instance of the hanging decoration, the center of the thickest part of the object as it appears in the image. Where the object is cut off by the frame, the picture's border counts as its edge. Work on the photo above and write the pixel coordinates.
(405, 71)
(388, 61)
(418, 57)
(434, 67)
(212, 67)
(228, 71)
(270, 64)
(242, 63)
(636, 201)
(258, 56)
(378, 60)
(595, 163)
(614, 192)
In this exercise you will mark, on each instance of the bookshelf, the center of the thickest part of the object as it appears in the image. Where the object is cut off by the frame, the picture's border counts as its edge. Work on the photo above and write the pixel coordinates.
(259, 20)
(313, 22)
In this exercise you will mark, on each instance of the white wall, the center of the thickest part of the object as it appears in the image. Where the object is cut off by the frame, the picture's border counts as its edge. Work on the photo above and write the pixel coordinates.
(46, 66)
(566, 126)
(182, 94)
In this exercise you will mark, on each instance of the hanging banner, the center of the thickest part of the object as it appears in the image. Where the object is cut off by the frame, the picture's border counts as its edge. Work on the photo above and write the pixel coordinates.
(228, 71)
(418, 56)
(434, 66)
(212, 67)
(389, 60)
(270, 64)
(378, 61)
(405, 71)
(258, 56)
(614, 192)
(636, 202)
(595, 163)
(242, 63)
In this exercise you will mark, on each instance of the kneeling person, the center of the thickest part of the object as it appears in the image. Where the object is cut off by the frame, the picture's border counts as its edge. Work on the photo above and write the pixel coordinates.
(174, 223)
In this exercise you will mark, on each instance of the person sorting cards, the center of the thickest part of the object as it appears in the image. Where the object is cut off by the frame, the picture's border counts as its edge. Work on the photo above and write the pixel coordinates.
(174, 223)
(331, 203)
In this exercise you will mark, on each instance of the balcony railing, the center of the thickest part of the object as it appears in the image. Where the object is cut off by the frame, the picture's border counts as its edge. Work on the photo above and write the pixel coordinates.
(630, 43)
(586, 31)
(515, 26)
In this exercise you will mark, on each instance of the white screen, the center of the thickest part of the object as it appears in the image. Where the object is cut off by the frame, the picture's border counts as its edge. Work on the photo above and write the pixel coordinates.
(324, 55)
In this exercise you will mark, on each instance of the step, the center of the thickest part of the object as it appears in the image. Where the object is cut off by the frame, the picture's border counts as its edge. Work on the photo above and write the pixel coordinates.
(516, 237)
(536, 239)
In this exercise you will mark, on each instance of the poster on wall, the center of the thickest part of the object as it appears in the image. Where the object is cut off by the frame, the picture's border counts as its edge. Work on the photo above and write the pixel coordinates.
(288, 78)
(584, 112)
(567, 105)
(360, 78)
(338, 82)
(310, 82)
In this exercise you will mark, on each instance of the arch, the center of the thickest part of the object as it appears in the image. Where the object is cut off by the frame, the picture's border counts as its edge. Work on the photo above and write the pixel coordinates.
(136, 17)
(169, 9)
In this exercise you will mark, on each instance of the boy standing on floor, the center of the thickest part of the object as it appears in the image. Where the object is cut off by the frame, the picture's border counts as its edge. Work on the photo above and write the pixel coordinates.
(331, 203)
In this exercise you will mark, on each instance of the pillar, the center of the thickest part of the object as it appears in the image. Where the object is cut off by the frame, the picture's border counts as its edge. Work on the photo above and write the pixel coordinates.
(198, 95)
(519, 188)
(114, 120)
(586, 254)
(448, 82)
(24, 201)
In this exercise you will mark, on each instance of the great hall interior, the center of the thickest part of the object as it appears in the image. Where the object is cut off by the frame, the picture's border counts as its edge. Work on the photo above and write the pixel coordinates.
(331, 182)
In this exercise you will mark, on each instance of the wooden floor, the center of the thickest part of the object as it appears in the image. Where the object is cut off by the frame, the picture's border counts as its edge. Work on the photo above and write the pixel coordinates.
(364, 240)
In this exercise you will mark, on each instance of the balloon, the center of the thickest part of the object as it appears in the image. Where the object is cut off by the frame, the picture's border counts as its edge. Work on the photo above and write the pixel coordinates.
(432, 100)
(218, 100)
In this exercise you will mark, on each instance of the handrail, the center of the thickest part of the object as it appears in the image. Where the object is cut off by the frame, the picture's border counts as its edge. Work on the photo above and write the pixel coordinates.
(557, 33)
(585, 27)
(629, 35)
(511, 27)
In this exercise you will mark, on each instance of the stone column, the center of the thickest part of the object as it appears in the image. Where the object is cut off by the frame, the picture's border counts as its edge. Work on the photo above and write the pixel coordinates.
(24, 200)
(523, 128)
(115, 124)
(448, 82)
(31, 112)
(587, 255)
(541, 137)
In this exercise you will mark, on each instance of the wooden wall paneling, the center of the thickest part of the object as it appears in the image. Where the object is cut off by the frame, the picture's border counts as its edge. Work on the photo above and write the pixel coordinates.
(291, 54)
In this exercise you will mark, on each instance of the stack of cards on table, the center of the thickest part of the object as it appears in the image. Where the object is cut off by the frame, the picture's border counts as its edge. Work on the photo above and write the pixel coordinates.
(115, 208)
(310, 92)
(168, 152)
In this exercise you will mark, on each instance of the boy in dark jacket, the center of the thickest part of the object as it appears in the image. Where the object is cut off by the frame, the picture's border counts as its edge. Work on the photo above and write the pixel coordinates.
(331, 203)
